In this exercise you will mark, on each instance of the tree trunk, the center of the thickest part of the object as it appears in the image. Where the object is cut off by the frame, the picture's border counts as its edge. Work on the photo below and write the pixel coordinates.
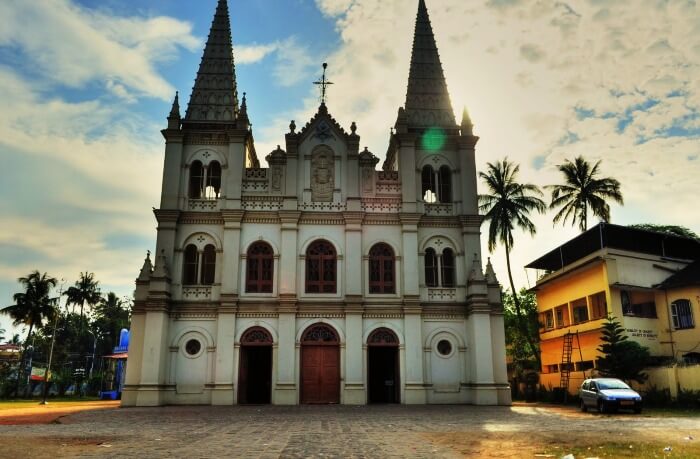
(20, 371)
(524, 329)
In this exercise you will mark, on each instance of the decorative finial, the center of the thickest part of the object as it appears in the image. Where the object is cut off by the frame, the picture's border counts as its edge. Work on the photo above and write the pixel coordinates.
(467, 125)
(292, 127)
(175, 110)
(244, 103)
(353, 128)
(323, 83)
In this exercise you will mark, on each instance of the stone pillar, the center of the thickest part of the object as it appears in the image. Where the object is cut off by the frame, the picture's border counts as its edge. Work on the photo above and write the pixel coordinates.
(224, 390)
(233, 186)
(471, 238)
(407, 171)
(468, 175)
(172, 169)
(479, 330)
(353, 253)
(231, 257)
(289, 253)
(355, 390)
(409, 234)
(286, 391)
(413, 334)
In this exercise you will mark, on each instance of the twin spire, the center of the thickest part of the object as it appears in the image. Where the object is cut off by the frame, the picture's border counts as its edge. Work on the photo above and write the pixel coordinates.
(215, 95)
(427, 100)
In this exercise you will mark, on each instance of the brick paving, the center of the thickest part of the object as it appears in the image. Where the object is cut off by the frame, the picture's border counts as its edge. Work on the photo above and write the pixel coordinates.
(303, 431)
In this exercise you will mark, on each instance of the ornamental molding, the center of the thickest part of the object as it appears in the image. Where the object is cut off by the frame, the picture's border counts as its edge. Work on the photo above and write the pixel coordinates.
(381, 205)
(310, 218)
(471, 220)
(383, 315)
(439, 222)
(323, 206)
(261, 217)
(262, 203)
(193, 315)
(201, 218)
(257, 315)
(203, 204)
(206, 139)
(320, 315)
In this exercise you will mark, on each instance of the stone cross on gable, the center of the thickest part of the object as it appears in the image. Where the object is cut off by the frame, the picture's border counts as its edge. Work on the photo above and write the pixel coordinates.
(323, 83)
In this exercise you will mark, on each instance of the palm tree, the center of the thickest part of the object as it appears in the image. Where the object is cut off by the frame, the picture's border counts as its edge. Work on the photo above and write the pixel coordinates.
(507, 205)
(32, 307)
(85, 291)
(583, 189)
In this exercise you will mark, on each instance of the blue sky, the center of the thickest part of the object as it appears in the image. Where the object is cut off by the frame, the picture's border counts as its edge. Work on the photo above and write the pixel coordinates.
(86, 86)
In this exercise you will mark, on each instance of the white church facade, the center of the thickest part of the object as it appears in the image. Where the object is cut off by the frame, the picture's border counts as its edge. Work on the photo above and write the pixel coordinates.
(317, 279)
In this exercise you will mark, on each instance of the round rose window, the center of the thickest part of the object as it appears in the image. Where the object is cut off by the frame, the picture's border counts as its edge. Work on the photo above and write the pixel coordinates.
(444, 347)
(192, 347)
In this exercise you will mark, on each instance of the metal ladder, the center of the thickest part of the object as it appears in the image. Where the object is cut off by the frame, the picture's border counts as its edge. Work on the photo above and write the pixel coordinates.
(566, 363)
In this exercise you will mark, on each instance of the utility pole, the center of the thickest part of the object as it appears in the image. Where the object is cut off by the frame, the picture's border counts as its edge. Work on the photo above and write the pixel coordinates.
(53, 341)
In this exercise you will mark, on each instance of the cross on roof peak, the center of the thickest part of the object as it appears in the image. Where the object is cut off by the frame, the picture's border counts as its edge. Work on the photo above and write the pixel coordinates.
(323, 83)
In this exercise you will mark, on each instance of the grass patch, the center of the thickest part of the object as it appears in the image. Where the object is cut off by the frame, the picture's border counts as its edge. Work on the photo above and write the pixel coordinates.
(627, 449)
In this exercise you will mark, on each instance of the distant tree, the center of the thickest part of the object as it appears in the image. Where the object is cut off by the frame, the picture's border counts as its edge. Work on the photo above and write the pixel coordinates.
(508, 205)
(673, 230)
(583, 188)
(85, 292)
(622, 358)
(2, 335)
(111, 315)
(518, 345)
(32, 306)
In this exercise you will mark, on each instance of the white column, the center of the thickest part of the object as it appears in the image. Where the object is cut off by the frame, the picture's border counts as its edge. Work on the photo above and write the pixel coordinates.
(223, 393)
(414, 389)
(355, 390)
(155, 350)
(285, 391)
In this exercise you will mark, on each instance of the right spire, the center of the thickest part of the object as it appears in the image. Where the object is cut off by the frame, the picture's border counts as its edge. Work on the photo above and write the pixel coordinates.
(427, 100)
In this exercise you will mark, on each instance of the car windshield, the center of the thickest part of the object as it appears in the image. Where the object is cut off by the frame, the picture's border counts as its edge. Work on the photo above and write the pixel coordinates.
(612, 384)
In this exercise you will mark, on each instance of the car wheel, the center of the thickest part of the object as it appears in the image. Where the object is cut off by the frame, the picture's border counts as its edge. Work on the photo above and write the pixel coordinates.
(602, 408)
(584, 408)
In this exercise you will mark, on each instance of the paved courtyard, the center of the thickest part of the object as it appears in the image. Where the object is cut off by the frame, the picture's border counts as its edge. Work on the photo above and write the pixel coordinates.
(340, 431)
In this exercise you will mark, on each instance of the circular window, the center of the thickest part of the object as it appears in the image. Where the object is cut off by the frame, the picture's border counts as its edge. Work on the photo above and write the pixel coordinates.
(192, 347)
(444, 347)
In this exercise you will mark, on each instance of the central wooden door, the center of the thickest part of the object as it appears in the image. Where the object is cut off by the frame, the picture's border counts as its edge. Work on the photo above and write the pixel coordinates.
(255, 367)
(320, 365)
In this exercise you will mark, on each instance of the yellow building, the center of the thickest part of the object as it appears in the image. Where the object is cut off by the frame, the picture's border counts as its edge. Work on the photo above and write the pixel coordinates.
(647, 280)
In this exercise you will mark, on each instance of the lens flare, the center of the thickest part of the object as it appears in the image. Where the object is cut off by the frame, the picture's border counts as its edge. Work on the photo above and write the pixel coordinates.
(433, 139)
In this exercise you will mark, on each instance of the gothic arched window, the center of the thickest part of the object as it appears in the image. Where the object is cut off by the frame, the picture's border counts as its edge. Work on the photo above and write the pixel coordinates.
(428, 191)
(259, 268)
(196, 180)
(431, 268)
(208, 265)
(445, 182)
(191, 262)
(448, 268)
(321, 268)
(213, 177)
(382, 277)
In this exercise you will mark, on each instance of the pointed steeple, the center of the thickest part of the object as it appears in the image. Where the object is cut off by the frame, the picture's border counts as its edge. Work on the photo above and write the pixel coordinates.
(427, 100)
(215, 95)
(467, 125)
(174, 117)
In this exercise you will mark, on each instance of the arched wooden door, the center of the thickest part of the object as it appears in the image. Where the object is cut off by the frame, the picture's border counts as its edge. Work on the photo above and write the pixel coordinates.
(383, 378)
(320, 365)
(255, 367)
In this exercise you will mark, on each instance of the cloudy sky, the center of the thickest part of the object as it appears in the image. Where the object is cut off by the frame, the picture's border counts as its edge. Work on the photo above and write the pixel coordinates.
(86, 85)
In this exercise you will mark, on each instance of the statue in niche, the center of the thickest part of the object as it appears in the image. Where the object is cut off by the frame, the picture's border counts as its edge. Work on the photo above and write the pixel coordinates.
(276, 179)
(322, 176)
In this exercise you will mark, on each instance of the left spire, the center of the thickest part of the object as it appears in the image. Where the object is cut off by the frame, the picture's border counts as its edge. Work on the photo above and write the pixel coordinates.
(215, 95)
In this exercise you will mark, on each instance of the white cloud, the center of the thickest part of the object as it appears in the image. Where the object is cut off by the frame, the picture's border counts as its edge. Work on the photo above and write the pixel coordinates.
(607, 59)
(250, 54)
(73, 46)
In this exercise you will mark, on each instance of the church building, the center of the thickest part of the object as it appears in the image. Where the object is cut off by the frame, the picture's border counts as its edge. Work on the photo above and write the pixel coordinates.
(319, 278)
